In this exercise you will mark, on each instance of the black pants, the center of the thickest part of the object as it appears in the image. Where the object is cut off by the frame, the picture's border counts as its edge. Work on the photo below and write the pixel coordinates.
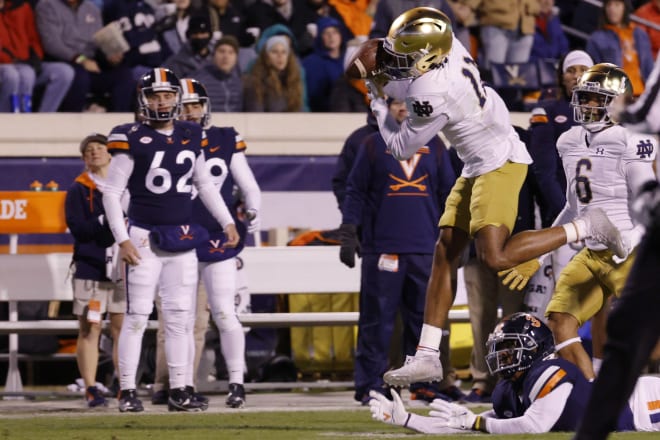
(633, 328)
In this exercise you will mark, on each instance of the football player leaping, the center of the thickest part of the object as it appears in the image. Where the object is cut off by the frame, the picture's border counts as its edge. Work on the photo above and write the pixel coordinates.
(606, 165)
(160, 160)
(442, 88)
(538, 392)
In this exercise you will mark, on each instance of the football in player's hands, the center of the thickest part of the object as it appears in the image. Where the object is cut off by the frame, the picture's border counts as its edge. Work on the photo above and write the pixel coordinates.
(364, 64)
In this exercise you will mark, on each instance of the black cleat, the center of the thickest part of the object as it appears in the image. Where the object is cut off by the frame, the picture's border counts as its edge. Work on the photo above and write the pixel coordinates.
(198, 397)
(181, 400)
(128, 401)
(159, 397)
(236, 396)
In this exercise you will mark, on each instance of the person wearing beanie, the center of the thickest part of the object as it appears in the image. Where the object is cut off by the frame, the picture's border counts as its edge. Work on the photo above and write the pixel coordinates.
(94, 291)
(222, 76)
(195, 51)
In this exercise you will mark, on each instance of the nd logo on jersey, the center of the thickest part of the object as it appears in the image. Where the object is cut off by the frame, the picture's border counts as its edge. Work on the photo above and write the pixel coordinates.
(422, 109)
(645, 149)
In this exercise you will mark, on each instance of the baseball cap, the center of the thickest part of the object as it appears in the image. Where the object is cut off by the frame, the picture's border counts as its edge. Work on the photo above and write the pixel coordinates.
(93, 137)
(198, 24)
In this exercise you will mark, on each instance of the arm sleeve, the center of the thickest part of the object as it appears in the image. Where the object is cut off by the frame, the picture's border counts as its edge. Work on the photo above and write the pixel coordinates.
(244, 177)
(541, 415)
(405, 139)
(119, 171)
(209, 194)
(638, 173)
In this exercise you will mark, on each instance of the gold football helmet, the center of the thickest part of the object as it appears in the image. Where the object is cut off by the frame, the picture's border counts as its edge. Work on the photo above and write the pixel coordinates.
(594, 92)
(418, 41)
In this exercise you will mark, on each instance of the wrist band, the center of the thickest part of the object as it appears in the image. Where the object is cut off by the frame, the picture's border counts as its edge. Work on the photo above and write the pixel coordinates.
(479, 424)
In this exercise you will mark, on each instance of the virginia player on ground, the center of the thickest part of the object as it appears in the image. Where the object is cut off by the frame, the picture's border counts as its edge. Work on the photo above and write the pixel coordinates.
(160, 160)
(537, 391)
(444, 92)
(228, 166)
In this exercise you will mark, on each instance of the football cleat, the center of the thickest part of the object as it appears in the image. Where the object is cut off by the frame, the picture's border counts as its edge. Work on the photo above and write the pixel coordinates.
(236, 396)
(418, 368)
(601, 229)
(181, 400)
(198, 397)
(95, 398)
(128, 401)
(159, 397)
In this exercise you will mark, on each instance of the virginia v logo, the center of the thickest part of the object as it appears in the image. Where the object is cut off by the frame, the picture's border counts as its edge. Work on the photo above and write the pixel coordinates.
(644, 149)
(422, 108)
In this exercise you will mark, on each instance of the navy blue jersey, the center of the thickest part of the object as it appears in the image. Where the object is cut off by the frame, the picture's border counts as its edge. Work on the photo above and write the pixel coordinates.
(398, 203)
(512, 399)
(161, 183)
(83, 206)
(223, 142)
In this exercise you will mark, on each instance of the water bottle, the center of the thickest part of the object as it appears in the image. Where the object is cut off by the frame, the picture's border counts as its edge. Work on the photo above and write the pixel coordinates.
(26, 103)
(15, 103)
(36, 186)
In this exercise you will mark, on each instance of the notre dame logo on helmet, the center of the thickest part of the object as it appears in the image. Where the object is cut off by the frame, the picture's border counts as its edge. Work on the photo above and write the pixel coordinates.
(422, 109)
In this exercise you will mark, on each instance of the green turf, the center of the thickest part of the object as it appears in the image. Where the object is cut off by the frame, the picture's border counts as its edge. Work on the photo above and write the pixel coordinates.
(235, 426)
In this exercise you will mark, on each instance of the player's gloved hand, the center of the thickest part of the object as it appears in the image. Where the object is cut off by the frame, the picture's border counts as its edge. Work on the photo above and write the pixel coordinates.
(645, 208)
(253, 220)
(350, 244)
(455, 416)
(518, 276)
(388, 411)
(375, 86)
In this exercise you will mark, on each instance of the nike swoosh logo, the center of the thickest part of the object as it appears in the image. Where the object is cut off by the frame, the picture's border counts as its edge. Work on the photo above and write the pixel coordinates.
(185, 141)
(214, 149)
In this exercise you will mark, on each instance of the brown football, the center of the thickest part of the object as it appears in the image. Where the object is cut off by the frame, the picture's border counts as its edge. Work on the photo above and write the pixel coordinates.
(364, 63)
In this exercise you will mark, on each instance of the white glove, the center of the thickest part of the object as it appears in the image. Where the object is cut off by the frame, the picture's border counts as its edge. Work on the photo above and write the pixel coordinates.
(253, 220)
(374, 89)
(456, 416)
(388, 411)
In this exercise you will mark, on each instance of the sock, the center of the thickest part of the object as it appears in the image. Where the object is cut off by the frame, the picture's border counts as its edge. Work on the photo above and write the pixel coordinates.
(597, 362)
(429, 340)
(232, 344)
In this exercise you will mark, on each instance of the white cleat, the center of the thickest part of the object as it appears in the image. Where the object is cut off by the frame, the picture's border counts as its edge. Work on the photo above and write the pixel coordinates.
(418, 368)
(601, 229)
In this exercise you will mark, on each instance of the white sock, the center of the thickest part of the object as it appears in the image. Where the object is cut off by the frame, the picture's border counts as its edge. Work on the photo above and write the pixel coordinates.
(232, 343)
(130, 346)
(177, 340)
(429, 339)
(597, 362)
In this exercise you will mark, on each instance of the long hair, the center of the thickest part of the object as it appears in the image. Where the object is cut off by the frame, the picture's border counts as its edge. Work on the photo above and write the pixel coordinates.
(288, 83)
(627, 10)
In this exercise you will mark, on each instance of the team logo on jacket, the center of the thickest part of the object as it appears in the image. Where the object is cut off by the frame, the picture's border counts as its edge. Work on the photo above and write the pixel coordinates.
(145, 140)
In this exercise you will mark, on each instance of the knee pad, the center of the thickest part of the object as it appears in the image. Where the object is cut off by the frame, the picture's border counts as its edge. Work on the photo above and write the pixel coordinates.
(177, 322)
(226, 322)
(135, 323)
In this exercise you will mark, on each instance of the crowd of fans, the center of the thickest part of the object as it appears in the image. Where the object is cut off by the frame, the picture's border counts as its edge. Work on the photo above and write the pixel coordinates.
(280, 55)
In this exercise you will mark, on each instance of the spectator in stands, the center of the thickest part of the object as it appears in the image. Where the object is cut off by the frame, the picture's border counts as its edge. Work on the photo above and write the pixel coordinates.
(388, 10)
(348, 94)
(263, 14)
(94, 290)
(194, 54)
(506, 29)
(226, 19)
(550, 42)
(66, 29)
(620, 42)
(137, 18)
(356, 14)
(172, 23)
(322, 8)
(222, 77)
(276, 82)
(650, 11)
(396, 206)
(325, 64)
(21, 63)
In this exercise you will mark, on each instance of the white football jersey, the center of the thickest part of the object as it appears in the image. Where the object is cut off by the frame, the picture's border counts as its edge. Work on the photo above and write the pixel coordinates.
(598, 173)
(476, 120)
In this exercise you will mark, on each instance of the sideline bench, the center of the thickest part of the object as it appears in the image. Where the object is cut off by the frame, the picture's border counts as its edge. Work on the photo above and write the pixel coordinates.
(270, 270)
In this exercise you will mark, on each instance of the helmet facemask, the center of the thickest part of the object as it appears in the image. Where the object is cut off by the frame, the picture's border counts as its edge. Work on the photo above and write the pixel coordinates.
(506, 353)
(156, 81)
(193, 92)
(592, 117)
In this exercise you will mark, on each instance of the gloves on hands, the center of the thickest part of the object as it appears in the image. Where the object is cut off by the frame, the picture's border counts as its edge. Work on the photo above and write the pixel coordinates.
(518, 276)
(645, 208)
(375, 87)
(456, 416)
(350, 244)
(253, 220)
(388, 411)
